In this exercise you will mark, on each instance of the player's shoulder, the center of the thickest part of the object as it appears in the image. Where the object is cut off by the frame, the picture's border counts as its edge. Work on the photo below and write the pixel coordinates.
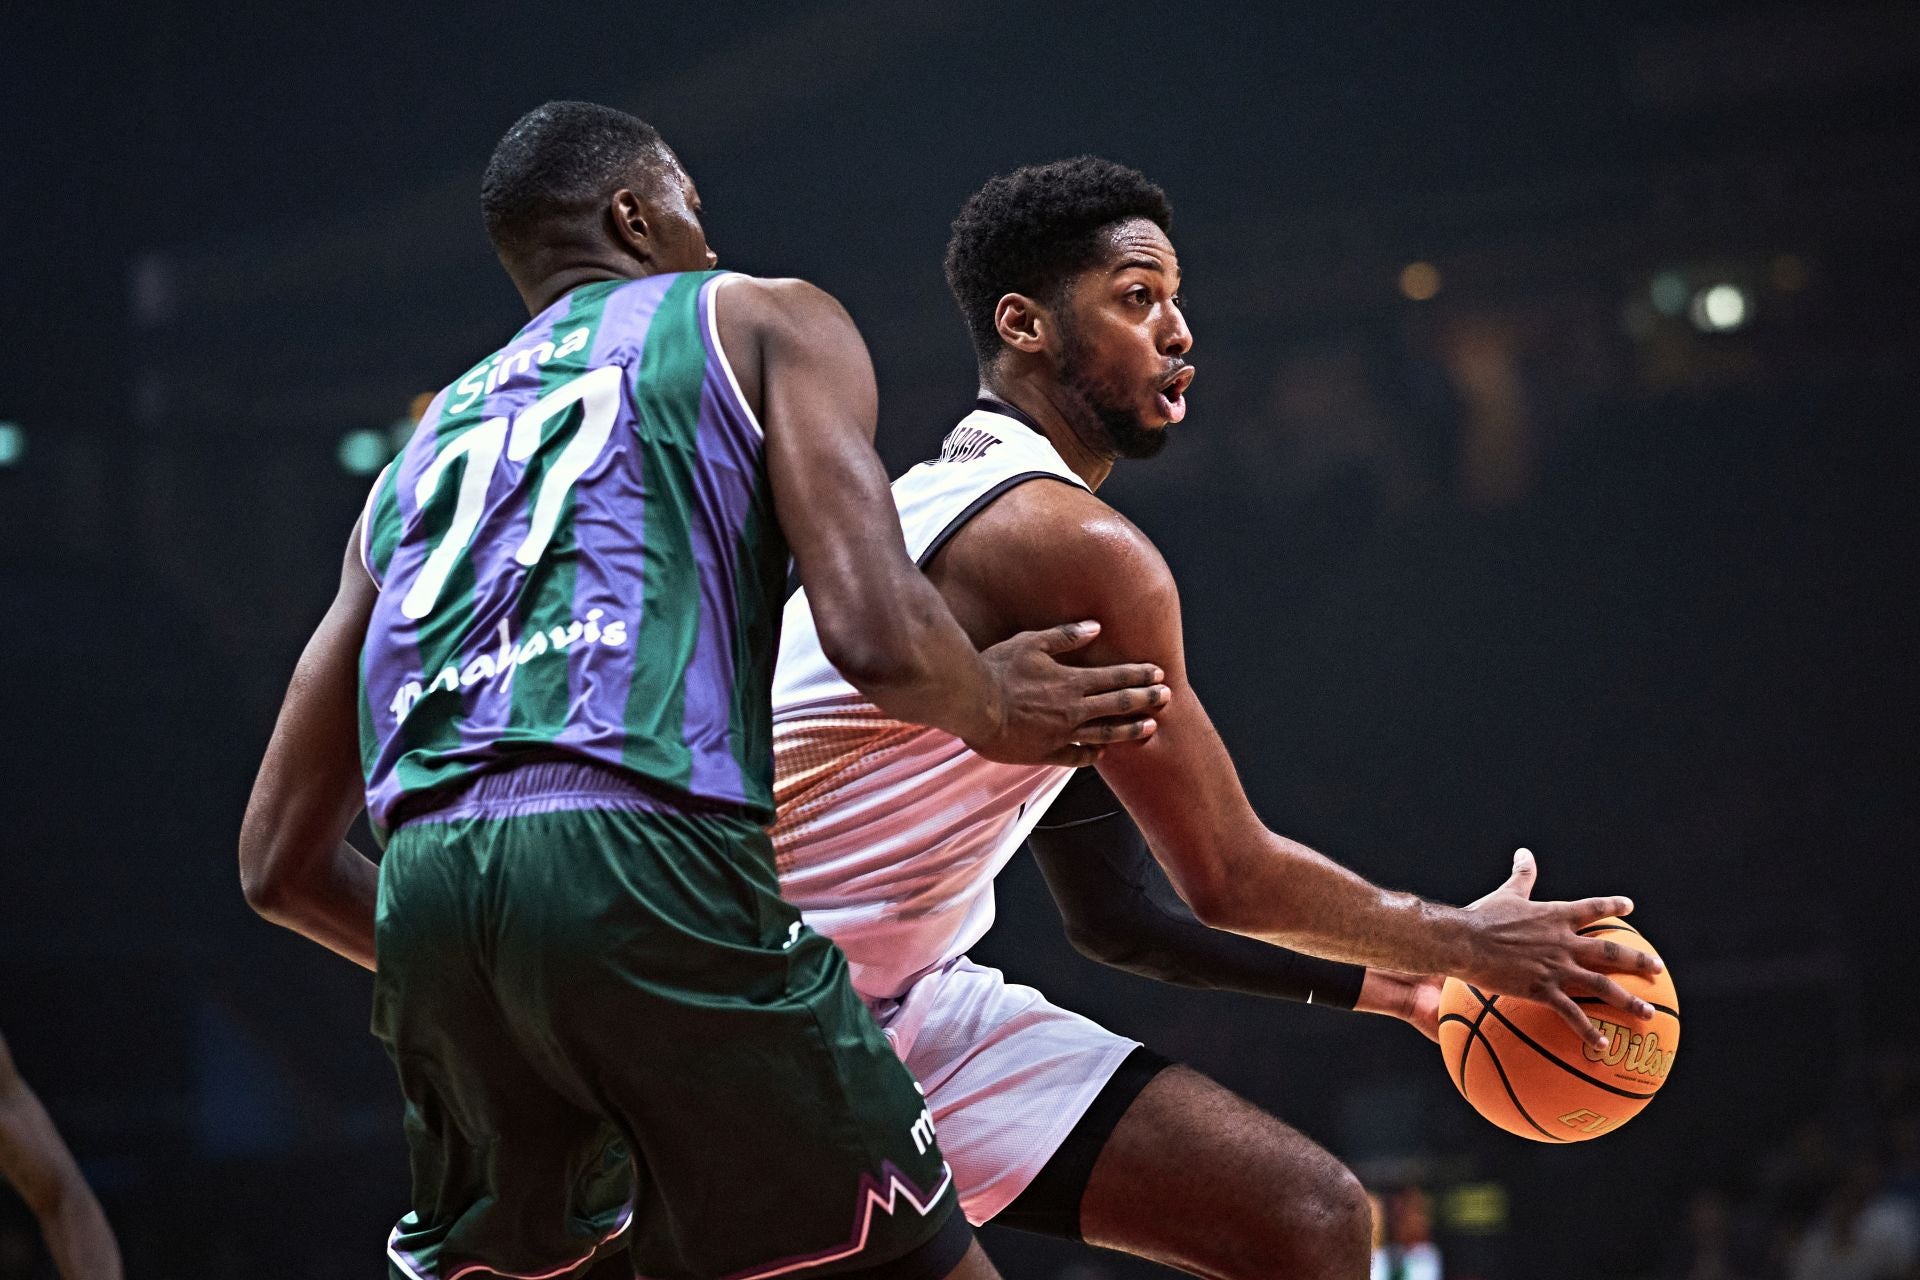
(1078, 520)
(779, 300)
(1058, 532)
(760, 315)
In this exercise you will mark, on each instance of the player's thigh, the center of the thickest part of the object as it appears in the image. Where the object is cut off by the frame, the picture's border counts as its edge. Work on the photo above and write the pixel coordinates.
(1008, 1075)
(774, 1124)
(506, 1170)
(1197, 1177)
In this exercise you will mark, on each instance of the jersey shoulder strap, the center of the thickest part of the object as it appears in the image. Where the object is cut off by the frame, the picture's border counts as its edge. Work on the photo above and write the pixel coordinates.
(988, 452)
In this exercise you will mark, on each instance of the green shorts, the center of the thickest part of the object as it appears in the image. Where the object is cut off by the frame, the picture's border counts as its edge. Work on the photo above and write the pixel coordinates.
(611, 1032)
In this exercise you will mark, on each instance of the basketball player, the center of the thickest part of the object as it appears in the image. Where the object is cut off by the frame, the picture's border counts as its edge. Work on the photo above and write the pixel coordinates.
(37, 1164)
(889, 834)
(551, 652)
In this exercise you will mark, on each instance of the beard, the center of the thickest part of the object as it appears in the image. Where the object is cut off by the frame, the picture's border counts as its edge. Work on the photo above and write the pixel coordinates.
(1104, 407)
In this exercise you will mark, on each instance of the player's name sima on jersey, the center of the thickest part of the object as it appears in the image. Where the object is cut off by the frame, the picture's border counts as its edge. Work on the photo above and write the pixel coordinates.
(488, 375)
(513, 653)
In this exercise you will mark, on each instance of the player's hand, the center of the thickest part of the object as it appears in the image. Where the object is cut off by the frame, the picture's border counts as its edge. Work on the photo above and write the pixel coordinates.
(1051, 713)
(1533, 950)
(1415, 998)
(1410, 997)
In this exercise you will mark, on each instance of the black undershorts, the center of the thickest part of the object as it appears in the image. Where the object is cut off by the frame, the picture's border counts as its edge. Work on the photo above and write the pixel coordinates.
(1050, 1205)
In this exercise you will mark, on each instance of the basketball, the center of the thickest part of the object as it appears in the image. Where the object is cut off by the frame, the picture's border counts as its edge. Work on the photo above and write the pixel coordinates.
(1525, 1069)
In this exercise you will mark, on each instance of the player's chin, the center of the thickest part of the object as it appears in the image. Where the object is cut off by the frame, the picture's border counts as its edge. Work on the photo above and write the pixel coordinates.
(1144, 439)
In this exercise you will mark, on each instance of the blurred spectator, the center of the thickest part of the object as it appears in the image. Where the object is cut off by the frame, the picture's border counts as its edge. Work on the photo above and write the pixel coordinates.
(1407, 1251)
(1330, 429)
(1863, 1233)
(1797, 1178)
(1708, 1250)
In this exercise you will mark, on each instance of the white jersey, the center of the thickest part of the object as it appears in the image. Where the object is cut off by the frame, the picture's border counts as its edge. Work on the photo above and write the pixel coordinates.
(890, 834)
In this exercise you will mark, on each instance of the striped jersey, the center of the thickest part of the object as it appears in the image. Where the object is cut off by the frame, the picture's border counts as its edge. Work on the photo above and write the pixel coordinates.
(577, 556)
(890, 834)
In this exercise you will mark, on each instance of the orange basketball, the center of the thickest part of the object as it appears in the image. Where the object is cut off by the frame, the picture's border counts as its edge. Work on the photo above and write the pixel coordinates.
(1525, 1069)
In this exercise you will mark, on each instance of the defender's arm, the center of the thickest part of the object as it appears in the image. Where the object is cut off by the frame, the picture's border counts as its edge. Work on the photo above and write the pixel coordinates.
(39, 1166)
(802, 362)
(296, 868)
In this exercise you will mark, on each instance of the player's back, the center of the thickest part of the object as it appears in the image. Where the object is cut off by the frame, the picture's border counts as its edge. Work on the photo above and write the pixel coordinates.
(577, 557)
(890, 834)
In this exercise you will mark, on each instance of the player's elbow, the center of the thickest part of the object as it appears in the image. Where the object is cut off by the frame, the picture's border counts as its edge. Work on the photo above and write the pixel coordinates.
(871, 652)
(865, 663)
(265, 879)
(1211, 906)
(1101, 941)
(264, 890)
(1210, 892)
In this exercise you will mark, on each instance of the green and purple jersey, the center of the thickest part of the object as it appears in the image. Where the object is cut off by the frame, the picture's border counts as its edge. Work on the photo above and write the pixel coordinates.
(577, 557)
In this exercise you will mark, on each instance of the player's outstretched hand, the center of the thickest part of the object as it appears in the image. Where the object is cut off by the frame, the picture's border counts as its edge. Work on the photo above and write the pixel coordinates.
(1056, 714)
(1534, 950)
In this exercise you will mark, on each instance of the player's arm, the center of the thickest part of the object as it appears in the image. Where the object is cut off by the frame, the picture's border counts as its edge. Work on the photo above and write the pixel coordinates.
(1185, 793)
(1052, 550)
(295, 865)
(802, 362)
(1120, 909)
(39, 1166)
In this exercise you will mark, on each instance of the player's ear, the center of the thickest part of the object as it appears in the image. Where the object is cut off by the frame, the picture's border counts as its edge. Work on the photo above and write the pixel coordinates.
(629, 222)
(1024, 324)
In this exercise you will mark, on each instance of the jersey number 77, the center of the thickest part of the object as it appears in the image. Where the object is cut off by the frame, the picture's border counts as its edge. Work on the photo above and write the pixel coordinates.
(479, 449)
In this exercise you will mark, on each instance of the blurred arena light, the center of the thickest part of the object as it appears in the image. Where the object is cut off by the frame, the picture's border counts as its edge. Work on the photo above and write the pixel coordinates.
(1419, 281)
(363, 452)
(1720, 308)
(1478, 1208)
(13, 443)
(1669, 293)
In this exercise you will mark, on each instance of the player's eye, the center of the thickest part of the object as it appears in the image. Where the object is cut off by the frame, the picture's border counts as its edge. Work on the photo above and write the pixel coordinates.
(1180, 301)
(1139, 295)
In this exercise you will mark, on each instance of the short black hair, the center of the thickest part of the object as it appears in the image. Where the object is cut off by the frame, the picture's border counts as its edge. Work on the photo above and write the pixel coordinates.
(1031, 231)
(561, 159)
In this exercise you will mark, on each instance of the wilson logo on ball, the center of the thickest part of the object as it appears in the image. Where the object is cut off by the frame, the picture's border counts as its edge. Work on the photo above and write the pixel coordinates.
(1637, 1054)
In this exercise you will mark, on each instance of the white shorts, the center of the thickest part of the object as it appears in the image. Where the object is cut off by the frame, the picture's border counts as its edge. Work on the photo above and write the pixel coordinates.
(1007, 1075)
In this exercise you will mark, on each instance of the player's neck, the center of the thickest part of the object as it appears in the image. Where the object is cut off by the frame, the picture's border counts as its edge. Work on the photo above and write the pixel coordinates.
(1037, 401)
(551, 283)
(550, 288)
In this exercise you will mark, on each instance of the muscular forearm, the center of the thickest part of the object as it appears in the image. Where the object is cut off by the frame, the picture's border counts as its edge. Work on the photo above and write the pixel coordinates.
(333, 904)
(296, 868)
(1120, 909)
(1282, 892)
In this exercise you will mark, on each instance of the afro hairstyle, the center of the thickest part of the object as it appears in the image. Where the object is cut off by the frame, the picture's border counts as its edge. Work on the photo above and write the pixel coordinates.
(1031, 231)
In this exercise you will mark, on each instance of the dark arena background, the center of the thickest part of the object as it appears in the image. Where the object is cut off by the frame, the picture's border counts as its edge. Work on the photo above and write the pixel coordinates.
(1549, 480)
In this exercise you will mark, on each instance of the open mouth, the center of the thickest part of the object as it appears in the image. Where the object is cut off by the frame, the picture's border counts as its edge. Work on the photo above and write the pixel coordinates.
(1171, 399)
